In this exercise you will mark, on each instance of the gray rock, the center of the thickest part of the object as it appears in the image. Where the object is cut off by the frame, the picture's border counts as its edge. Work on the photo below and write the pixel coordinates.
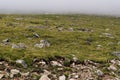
(21, 45)
(99, 73)
(14, 46)
(35, 35)
(116, 54)
(18, 46)
(5, 40)
(60, 29)
(62, 77)
(42, 44)
(39, 45)
(118, 43)
(70, 29)
(22, 62)
(107, 35)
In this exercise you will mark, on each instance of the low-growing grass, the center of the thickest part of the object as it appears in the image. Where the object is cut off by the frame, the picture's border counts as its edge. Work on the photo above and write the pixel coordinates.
(65, 43)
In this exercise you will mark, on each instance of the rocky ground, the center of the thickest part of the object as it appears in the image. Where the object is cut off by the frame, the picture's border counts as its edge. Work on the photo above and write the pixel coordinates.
(60, 69)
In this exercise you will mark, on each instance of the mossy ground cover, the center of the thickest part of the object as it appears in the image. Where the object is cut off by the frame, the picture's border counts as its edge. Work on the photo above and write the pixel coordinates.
(65, 43)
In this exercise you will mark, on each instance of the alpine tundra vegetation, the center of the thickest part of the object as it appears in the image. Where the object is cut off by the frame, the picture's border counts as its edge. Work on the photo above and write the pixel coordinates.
(38, 46)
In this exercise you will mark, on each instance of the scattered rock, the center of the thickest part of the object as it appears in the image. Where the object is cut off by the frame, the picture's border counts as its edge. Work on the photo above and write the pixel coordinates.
(75, 59)
(99, 73)
(72, 79)
(118, 43)
(25, 74)
(42, 63)
(14, 72)
(14, 46)
(42, 44)
(113, 61)
(22, 62)
(116, 54)
(84, 30)
(62, 77)
(52, 70)
(70, 29)
(118, 63)
(98, 47)
(1, 76)
(18, 46)
(44, 77)
(39, 45)
(55, 63)
(112, 67)
(35, 35)
(21, 45)
(107, 35)
(46, 72)
(6, 41)
(76, 76)
(60, 29)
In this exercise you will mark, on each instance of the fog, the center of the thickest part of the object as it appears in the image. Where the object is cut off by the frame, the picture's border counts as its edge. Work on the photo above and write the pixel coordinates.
(104, 7)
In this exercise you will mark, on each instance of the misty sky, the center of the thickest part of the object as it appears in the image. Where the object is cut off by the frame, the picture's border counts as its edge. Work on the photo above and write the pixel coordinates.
(75, 6)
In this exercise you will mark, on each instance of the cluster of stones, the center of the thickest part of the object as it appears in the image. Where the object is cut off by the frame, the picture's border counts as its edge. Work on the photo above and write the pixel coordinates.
(60, 69)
